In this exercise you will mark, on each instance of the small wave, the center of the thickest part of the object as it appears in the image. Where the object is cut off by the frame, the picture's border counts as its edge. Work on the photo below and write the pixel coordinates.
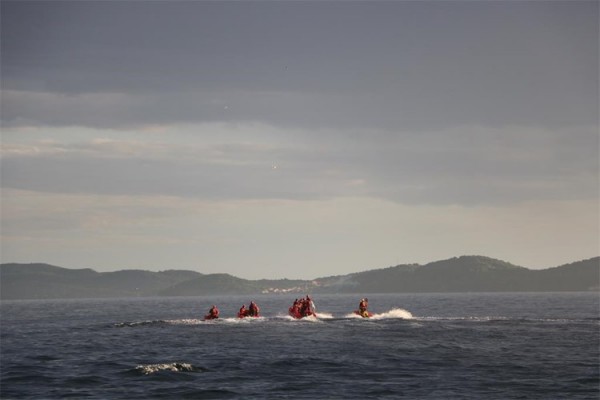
(134, 324)
(137, 323)
(498, 319)
(473, 319)
(148, 369)
(394, 313)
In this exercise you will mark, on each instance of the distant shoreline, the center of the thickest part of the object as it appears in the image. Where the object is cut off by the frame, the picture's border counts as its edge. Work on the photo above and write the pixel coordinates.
(477, 274)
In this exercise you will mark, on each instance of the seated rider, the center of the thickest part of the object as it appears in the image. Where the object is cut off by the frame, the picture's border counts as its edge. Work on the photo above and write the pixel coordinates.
(295, 309)
(214, 312)
(243, 311)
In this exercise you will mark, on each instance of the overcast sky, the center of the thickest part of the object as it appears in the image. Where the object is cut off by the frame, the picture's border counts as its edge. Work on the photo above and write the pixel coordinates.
(272, 139)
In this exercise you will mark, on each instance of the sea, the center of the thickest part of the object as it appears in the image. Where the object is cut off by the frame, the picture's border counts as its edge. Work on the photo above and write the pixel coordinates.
(416, 346)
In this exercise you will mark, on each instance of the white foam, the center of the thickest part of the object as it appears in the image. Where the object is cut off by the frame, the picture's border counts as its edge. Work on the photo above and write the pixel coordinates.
(398, 313)
(353, 315)
(247, 320)
(183, 321)
(394, 313)
(286, 316)
(310, 318)
(174, 367)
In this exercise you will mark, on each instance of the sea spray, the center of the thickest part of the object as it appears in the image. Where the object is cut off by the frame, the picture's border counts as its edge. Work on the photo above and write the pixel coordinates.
(395, 313)
(398, 313)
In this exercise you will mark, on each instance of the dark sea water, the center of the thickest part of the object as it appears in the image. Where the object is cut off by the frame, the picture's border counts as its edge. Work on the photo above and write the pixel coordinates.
(434, 346)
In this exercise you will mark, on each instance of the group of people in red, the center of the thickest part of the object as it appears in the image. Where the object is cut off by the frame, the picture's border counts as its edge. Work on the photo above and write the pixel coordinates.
(213, 313)
(251, 311)
(301, 308)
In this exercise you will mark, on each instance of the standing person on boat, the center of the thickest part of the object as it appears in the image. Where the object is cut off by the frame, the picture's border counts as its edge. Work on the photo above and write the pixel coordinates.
(308, 307)
(253, 309)
(303, 307)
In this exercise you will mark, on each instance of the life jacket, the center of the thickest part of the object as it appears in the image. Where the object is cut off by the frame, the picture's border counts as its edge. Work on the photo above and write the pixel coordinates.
(295, 311)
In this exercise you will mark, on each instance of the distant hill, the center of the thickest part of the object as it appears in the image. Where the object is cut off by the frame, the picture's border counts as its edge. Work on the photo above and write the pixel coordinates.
(459, 274)
(468, 274)
(43, 281)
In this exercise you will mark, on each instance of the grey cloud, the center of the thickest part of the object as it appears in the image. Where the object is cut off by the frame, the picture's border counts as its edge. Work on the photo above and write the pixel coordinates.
(422, 169)
(469, 102)
(383, 64)
(284, 109)
(153, 177)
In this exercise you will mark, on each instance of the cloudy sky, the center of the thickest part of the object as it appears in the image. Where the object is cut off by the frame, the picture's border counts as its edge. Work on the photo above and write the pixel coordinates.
(272, 139)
